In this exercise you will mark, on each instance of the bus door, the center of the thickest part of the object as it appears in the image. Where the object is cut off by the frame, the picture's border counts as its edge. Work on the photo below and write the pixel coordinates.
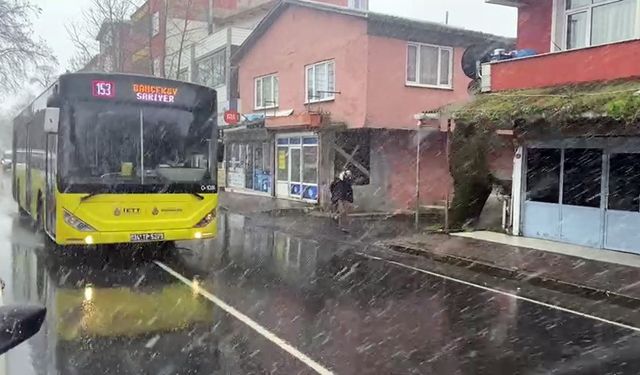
(51, 177)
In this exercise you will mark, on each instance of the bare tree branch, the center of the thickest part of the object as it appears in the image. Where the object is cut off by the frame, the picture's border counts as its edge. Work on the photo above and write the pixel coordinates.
(20, 54)
(84, 33)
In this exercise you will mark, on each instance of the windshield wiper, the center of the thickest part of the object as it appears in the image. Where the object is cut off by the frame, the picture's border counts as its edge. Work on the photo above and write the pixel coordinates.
(200, 197)
(88, 196)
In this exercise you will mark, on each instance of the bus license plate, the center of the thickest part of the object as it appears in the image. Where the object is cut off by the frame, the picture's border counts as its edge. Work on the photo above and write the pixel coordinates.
(147, 237)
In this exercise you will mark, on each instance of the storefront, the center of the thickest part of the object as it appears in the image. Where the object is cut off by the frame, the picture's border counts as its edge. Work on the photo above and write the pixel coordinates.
(249, 158)
(581, 191)
(297, 166)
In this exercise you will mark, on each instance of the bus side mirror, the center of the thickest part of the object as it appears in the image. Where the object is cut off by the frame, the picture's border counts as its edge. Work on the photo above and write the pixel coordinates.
(51, 120)
(220, 152)
(19, 323)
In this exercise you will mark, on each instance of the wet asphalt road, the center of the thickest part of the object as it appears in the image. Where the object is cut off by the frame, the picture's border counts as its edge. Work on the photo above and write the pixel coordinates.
(283, 305)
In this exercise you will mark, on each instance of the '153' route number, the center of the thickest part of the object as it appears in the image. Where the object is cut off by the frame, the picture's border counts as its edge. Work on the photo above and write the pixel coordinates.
(104, 89)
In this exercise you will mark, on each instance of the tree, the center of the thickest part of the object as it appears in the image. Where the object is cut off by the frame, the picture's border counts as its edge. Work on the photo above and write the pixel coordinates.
(20, 54)
(83, 34)
(187, 24)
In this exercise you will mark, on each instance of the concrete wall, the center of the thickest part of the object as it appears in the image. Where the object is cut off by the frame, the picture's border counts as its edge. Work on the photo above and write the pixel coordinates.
(568, 67)
(393, 171)
(391, 103)
(534, 25)
(302, 36)
(501, 159)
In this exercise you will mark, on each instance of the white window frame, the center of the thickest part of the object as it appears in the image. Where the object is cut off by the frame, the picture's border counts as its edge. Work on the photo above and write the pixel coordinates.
(359, 4)
(155, 24)
(312, 67)
(274, 93)
(417, 83)
(561, 26)
(211, 58)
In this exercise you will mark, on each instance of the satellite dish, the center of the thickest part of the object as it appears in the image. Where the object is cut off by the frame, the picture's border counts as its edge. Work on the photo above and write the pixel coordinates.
(479, 53)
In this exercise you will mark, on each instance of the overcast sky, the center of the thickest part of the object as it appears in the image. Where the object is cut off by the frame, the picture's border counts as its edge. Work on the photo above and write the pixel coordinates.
(471, 14)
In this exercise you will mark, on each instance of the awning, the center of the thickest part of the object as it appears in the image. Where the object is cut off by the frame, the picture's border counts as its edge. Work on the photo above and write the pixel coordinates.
(242, 134)
(594, 103)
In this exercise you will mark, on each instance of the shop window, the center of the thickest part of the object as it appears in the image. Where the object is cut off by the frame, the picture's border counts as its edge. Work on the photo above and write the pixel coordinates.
(543, 175)
(624, 182)
(296, 163)
(262, 167)
(582, 177)
(283, 163)
(310, 165)
(353, 152)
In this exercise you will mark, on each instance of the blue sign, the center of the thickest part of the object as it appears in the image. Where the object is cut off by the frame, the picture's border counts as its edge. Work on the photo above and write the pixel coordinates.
(295, 189)
(310, 192)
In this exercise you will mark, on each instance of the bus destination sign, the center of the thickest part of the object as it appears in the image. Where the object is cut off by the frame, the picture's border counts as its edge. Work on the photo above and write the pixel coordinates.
(158, 94)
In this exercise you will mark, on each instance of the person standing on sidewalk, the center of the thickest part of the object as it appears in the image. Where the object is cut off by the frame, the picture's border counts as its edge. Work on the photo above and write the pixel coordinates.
(342, 198)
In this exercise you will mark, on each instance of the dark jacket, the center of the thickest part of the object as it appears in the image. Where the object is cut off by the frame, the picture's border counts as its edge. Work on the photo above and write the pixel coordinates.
(341, 190)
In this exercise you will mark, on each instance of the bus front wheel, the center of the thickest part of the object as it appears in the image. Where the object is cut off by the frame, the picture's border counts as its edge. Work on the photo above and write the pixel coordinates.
(21, 211)
(39, 221)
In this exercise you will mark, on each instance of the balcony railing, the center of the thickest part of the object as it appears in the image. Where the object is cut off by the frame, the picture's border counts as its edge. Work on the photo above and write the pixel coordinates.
(600, 63)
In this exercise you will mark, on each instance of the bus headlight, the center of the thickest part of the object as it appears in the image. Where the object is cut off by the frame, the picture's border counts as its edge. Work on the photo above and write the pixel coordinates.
(77, 223)
(207, 219)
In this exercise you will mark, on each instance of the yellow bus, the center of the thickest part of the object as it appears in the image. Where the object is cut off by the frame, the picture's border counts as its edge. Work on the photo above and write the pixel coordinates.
(116, 158)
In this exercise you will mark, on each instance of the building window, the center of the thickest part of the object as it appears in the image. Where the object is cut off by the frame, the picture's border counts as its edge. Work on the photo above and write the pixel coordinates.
(211, 70)
(595, 22)
(359, 4)
(429, 66)
(266, 92)
(321, 82)
(183, 75)
(157, 67)
(155, 24)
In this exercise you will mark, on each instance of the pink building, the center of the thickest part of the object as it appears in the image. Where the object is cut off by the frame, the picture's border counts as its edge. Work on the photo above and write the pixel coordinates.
(328, 87)
(572, 104)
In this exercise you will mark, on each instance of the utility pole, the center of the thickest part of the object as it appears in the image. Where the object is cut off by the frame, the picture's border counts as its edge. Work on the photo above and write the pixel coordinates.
(418, 151)
(448, 156)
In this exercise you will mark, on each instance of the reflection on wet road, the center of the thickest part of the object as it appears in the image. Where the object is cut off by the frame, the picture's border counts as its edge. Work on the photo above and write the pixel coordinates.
(111, 313)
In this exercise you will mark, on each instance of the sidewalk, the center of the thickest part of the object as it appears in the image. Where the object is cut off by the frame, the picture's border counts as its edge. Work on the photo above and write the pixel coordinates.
(307, 220)
(593, 272)
(250, 204)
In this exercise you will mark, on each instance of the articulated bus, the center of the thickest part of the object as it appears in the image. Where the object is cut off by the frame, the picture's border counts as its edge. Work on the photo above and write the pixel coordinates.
(116, 158)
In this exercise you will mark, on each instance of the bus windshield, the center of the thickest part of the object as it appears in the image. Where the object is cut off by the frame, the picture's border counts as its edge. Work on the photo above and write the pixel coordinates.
(132, 145)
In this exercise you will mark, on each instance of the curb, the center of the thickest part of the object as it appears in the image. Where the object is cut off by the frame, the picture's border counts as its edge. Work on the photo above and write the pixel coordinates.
(517, 274)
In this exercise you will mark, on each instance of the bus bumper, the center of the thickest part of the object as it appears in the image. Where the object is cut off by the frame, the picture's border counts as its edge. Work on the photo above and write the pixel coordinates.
(137, 237)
